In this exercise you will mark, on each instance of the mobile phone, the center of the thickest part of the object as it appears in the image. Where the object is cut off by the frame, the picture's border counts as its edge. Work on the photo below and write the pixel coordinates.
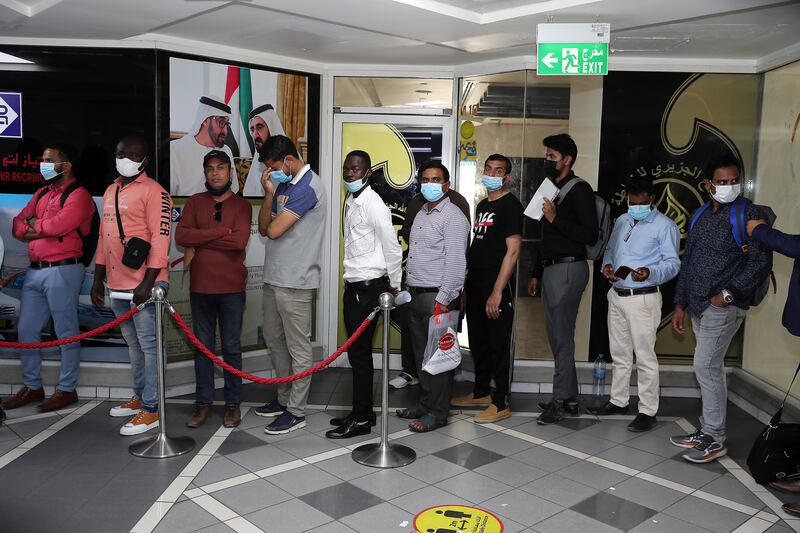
(623, 272)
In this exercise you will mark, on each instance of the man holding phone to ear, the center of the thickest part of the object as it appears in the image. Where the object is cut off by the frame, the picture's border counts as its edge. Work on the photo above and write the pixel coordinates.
(642, 255)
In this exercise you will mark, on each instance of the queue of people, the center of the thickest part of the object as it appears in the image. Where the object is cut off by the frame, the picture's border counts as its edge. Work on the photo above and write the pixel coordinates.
(447, 270)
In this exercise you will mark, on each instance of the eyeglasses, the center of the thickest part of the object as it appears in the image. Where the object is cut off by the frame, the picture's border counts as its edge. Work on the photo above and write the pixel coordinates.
(221, 121)
(218, 211)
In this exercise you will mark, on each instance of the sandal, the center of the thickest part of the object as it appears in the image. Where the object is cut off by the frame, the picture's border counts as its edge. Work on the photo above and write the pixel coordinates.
(411, 413)
(426, 423)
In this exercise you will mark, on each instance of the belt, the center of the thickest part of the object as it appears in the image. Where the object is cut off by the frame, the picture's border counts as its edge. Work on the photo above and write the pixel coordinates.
(46, 264)
(637, 292)
(420, 290)
(366, 283)
(560, 260)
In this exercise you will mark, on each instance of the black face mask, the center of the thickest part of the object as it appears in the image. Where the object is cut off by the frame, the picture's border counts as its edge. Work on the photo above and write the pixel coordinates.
(218, 192)
(550, 169)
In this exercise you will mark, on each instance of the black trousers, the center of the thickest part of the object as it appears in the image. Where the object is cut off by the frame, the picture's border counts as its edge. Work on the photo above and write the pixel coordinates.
(358, 303)
(491, 341)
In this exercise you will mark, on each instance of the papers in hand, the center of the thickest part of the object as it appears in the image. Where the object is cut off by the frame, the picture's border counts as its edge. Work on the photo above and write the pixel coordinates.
(546, 190)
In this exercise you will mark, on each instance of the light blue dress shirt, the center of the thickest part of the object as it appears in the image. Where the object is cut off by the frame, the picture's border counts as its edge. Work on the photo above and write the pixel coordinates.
(652, 243)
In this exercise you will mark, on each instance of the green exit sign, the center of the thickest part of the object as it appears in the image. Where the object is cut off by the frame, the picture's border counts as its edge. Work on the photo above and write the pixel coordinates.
(572, 59)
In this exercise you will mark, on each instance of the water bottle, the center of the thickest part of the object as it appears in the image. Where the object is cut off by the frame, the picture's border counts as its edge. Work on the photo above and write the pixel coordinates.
(598, 381)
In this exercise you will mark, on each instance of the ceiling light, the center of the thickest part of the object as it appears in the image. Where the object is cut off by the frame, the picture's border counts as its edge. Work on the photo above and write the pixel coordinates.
(8, 58)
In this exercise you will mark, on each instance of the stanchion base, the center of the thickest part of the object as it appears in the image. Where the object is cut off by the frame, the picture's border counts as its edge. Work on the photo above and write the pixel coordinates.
(389, 456)
(161, 446)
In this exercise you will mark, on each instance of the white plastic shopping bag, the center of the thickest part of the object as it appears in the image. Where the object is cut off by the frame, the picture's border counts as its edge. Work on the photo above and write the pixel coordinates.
(442, 352)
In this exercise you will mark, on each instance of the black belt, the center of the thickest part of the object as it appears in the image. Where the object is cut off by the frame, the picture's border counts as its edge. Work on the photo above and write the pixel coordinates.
(46, 264)
(560, 260)
(637, 292)
(420, 290)
(366, 283)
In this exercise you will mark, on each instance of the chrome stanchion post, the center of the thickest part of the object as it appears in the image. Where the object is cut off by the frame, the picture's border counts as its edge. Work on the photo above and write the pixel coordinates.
(384, 454)
(161, 445)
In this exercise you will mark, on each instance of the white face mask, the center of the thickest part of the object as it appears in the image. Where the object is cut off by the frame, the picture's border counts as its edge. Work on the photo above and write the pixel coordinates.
(726, 194)
(128, 168)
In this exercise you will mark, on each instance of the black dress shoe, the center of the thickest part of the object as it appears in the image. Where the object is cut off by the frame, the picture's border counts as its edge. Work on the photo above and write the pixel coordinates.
(341, 421)
(642, 423)
(351, 428)
(571, 406)
(608, 408)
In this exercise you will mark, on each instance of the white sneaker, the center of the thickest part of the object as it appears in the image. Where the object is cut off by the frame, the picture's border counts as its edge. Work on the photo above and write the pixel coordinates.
(143, 421)
(129, 408)
(402, 380)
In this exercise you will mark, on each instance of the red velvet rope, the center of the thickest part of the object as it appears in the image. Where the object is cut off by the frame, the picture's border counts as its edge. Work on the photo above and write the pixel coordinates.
(268, 381)
(69, 340)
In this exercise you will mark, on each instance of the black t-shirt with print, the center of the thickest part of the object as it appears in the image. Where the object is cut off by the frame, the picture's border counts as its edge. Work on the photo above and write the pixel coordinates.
(494, 221)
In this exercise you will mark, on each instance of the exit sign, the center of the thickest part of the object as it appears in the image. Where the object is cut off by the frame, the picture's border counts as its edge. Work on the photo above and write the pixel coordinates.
(572, 49)
(576, 59)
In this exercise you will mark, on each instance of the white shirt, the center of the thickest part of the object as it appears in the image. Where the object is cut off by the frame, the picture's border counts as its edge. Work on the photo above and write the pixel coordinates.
(187, 176)
(371, 248)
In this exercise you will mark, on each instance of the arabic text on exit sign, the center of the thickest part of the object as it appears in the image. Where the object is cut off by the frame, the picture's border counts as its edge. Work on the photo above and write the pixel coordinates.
(572, 59)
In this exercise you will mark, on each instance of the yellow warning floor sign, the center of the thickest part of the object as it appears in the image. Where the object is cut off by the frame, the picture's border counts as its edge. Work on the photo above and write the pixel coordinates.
(457, 519)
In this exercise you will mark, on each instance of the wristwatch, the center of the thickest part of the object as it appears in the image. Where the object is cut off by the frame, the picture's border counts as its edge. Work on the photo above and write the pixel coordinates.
(727, 296)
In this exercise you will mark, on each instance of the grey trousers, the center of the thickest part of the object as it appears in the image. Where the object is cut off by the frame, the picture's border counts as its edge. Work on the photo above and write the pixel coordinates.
(714, 330)
(434, 391)
(287, 332)
(562, 287)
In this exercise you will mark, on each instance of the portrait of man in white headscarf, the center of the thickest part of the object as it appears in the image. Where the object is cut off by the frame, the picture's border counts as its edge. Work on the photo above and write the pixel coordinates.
(263, 122)
(208, 132)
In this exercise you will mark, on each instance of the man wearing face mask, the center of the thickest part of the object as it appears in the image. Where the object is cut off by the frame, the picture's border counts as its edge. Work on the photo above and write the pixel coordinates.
(208, 132)
(216, 223)
(716, 284)
(642, 255)
(372, 265)
(141, 208)
(293, 220)
(436, 271)
(491, 262)
(263, 122)
(53, 231)
(561, 273)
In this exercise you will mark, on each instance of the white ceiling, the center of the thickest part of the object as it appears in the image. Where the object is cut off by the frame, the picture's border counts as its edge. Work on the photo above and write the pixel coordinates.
(421, 32)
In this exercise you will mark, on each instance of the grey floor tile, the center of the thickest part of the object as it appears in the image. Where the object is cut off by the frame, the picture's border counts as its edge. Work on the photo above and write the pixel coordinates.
(73, 486)
(307, 445)
(593, 475)
(332, 527)
(252, 420)
(7, 434)
(548, 433)
(474, 487)
(262, 457)
(258, 432)
(645, 493)
(132, 487)
(185, 517)
(320, 422)
(545, 458)
(521, 507)
(466, 431)
(218, 469)
(388, 483)
(729, 487)
(578, 424)
(9, 444)
(706, 514)
(684, 473)
(663, 523)
(502, 444)
(511, 472)
(514, 421)
(303, 480)
(569, 520)
(432, 469)
(430, 442)
(346, 469)
(468, 456)
(779, 527)
(613, 430)
(509, 526)
(239, 441)
(291, 516)
(216, 528)
(251, 496)
(585, 443)
(341, 500)
(657, 444)
(613, 511)
(28, 429)
(102, 517)
(560, 490)
(419, 500)
(631, 457)
(382, 517)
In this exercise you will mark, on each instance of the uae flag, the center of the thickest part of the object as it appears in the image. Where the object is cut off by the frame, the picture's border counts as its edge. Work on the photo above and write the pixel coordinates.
(239, 96)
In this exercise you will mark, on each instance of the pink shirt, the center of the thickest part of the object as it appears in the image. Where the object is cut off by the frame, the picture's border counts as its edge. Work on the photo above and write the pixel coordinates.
(56, 225)
(146, 211)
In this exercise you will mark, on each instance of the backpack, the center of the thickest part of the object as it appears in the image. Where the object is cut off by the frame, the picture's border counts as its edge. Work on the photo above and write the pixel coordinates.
(603, 210)
(89, 241)
(739, 229)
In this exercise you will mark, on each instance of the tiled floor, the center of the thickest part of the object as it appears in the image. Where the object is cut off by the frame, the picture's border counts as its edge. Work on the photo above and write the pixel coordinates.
(581, 475)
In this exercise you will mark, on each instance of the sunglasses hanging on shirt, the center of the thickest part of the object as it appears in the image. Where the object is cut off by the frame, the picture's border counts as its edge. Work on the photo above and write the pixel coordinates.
(218, 211)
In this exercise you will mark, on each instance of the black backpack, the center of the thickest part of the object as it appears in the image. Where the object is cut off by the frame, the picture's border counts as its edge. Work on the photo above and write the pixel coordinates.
(89, 240)
(593, 251)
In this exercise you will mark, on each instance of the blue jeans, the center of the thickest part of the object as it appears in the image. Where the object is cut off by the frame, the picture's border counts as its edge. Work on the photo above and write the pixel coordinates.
(50, 292)
(229, 309)
(140, 335)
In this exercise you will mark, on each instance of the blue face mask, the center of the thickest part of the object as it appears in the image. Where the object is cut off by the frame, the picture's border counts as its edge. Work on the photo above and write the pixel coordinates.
(432, 191)
(279, 176)
(48, 170)
(492, 183)
(639, 212)
(355, 186)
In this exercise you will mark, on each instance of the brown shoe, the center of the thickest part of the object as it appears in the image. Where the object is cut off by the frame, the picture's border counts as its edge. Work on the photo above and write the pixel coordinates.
(469, 400)
(233, 416)
(492, 414)
(201, 413)
(791, 486)
(792, 508)
(24, 396)
(58, 400)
